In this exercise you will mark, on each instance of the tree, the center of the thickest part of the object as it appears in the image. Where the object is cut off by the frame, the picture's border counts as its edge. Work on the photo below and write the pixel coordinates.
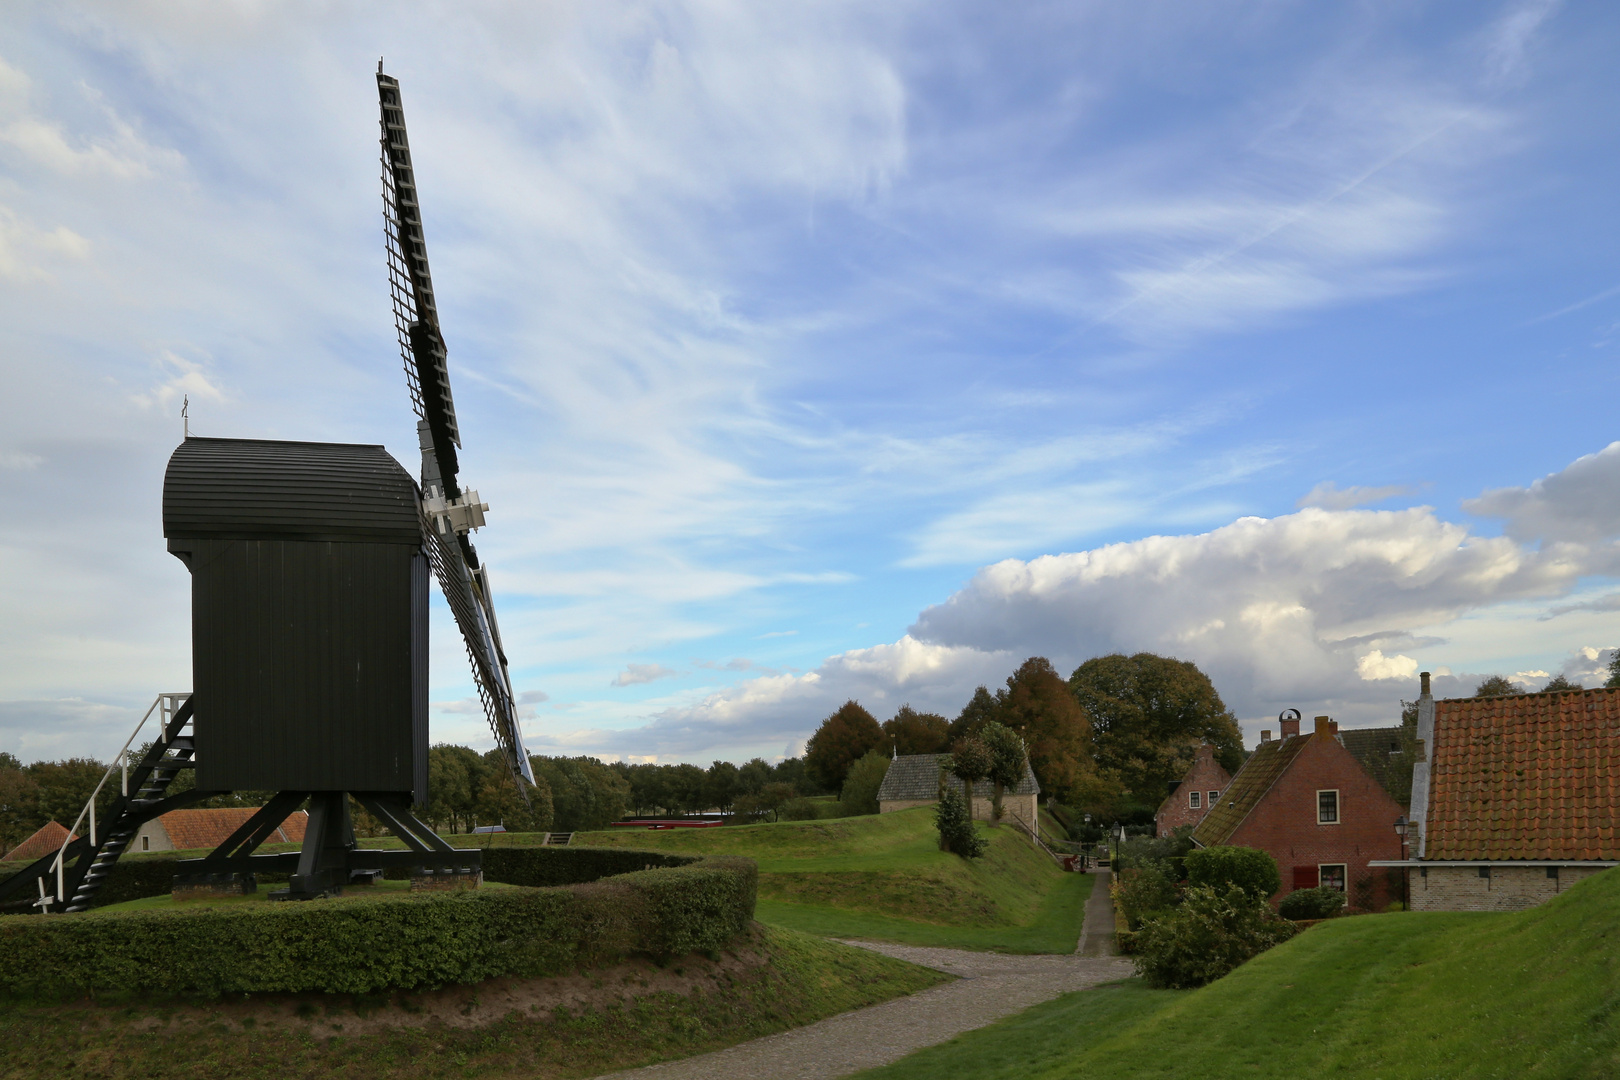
(955, 823)
(1559, 682)
(1614, 670)
(839, 742)
(1496, 686)
(721, 786)
(454, 774)
(792, 771)
(970, 762)
(1040, 707)
(63, 788)
(1007, 757)
(861, 786)
(1148, 714)
(497, 801)
(753, 775)
(585, 794)
(980, 710)
(19, 805)
(912, 732)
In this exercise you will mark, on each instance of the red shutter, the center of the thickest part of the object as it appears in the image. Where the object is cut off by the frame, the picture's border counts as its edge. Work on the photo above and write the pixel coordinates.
(1305, 877)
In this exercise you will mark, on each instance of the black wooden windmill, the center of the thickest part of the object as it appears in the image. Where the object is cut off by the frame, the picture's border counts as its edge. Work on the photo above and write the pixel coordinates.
(309, 581)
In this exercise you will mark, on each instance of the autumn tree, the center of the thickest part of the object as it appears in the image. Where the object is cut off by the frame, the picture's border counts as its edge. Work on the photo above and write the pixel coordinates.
(1040, 707)
(841, 740)
(1007, 757)
(1148, 714)
(912, 732)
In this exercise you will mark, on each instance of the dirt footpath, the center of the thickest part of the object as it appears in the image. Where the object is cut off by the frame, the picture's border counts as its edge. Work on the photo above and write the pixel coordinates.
(989, 987)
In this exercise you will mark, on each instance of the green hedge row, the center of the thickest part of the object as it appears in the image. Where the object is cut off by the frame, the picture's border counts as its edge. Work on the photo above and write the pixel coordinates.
(366, 944)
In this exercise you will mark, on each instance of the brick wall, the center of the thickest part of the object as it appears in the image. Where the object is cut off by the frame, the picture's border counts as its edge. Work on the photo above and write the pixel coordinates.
(1508, 888)
(1284, 823)
(1204, 776)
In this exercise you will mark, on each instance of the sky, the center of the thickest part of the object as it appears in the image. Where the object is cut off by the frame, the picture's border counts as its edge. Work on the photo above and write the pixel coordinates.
(808, 352)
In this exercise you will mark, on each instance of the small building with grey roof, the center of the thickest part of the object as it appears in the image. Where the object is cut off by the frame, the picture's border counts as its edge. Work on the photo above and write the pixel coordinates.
(915, 780)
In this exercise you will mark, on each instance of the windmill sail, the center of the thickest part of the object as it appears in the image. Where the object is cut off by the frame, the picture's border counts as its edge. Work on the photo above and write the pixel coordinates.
(449, 514)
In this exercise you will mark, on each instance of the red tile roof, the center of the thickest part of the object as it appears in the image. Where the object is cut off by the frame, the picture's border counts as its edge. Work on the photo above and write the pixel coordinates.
(1526, 776)
(44, 842)
(191, 830)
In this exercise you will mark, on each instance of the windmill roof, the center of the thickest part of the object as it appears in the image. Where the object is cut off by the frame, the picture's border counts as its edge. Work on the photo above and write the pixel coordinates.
(1268, 762)
(258, 489)
(916, 776)
(46, 839)
(192, 830)
(1526, 776)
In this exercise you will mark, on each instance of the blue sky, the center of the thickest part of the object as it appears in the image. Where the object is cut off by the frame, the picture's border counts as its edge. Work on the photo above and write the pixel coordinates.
(816, 351)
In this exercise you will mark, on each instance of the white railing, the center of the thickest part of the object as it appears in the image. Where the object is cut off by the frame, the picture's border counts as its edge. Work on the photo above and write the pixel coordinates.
(165, 707)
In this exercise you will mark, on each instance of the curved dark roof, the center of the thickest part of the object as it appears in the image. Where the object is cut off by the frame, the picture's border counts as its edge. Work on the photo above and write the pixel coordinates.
(257, 489)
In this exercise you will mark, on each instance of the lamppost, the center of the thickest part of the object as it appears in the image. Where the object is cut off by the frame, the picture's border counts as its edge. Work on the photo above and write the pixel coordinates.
(1401, 825)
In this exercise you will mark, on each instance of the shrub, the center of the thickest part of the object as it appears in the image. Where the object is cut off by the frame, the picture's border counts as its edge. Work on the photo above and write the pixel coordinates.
(1320, 903)
(1165, 853)
(1219, 867)
(365, 944)
(1142, 893)
(956, 826)
(861, 786)
(797, 810)
(1207, 936)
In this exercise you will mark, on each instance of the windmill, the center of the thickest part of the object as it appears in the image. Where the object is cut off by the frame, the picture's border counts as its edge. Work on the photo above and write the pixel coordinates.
(309, 567)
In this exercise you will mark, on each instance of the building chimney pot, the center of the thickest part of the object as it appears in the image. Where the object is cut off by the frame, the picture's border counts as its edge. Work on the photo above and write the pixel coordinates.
(1333, 727)
(1324, 725)
(1290, 726)
(1265, 735)
(1423, 683)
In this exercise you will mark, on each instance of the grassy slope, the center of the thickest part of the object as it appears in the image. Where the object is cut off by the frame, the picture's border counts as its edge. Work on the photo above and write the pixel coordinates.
(807, 979)
(883, 877)
(1413, 995)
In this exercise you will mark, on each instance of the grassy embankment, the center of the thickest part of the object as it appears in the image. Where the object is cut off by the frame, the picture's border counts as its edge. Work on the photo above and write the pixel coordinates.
(1406, 996)
(621, 1018)
(884, 878)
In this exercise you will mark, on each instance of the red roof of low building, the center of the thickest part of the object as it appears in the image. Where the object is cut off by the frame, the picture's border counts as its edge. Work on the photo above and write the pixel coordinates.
(46, 840)
(191, 830)
(1526, 776)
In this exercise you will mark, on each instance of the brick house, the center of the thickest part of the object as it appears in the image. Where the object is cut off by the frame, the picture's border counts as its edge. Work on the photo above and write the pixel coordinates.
(1191, 797)
(913, 780)
(1306, 801)
(1514, 798)
(206, 829)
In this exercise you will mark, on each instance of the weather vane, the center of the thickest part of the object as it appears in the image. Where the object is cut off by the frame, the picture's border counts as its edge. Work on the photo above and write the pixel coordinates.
(185, 414)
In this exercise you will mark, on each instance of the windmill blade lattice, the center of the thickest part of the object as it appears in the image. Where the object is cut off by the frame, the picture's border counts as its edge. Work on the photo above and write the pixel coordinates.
(449, 514)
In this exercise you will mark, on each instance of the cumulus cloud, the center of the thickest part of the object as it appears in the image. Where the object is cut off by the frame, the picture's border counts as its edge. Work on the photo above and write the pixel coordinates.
(636, 674)
(1580, 503)
(533, 697)
(1329, 496)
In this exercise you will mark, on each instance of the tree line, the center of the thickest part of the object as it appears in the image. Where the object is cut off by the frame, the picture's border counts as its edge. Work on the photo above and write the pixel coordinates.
(1106, 741)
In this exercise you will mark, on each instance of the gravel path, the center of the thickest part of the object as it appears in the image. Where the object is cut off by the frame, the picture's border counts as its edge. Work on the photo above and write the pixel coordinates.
(990, 986)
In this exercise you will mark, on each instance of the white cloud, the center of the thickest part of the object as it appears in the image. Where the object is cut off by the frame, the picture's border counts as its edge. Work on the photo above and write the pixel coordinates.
(636, 674)
(1329, 496)
(1375, 665)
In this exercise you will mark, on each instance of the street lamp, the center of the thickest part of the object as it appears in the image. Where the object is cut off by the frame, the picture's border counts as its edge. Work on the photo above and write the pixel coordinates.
(1401, 825)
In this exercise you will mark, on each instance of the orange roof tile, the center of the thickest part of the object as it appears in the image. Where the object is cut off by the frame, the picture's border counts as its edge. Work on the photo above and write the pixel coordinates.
(191, 830)
(46, 840)
(1526, 776)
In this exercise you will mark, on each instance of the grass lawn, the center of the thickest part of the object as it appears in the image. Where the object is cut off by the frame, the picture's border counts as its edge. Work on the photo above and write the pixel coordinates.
(804, 980)
(1406, 996)
(882, 877)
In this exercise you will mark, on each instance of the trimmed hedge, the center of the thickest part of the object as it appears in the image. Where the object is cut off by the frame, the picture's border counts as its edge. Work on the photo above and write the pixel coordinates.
(1218, 868)
(366, 944)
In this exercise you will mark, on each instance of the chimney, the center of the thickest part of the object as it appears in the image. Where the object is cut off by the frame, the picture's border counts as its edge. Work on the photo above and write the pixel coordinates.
(1333, 728)
(1324, 725)
(1265, 735)
(1290, 726)
(1423, 684)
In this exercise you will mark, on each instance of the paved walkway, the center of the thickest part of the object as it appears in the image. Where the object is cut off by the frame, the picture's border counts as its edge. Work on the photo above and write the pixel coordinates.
(990, 986)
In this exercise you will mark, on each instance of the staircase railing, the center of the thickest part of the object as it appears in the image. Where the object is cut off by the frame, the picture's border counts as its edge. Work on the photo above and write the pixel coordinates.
(164, 707)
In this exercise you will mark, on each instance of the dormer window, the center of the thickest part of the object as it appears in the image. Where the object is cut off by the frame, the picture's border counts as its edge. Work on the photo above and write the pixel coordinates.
(1327, 807)
(1195, 800)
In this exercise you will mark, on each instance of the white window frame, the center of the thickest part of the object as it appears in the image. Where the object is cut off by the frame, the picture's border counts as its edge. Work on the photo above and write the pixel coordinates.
(1344, 877)
(1195, 800)
(1338, 809)
(1214, 797)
